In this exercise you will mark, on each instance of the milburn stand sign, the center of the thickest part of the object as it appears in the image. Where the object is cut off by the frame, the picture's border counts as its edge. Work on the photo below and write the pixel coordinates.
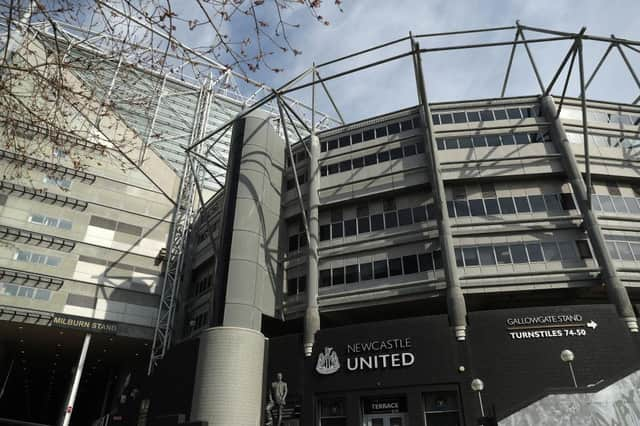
(89, 325)
(368, 355)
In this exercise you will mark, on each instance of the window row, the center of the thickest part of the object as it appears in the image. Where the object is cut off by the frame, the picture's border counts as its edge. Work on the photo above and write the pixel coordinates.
(371, 159)
(511, 205)
(609, 204)
(525, 252)
(291, 182)
(8, 289)
(54, 222)
(370, 134)
(479, 141)
(605, 141)
(514, 113)
(380, 269)
(365, 223)
(600, 116)
(59, 182)
(296, 285)
(200, 286)
(31, 257)
(623, 247)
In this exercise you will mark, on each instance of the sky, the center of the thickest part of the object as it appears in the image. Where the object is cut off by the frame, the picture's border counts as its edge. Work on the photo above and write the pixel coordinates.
(450, 76)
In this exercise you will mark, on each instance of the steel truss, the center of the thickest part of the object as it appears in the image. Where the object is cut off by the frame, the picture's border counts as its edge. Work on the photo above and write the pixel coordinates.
(524, 37)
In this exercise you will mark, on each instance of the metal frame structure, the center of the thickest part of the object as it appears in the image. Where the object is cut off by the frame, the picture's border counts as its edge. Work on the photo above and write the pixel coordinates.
(525, 36)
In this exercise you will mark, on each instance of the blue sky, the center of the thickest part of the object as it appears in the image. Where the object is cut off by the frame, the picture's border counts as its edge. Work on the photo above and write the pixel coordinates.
(457, 75)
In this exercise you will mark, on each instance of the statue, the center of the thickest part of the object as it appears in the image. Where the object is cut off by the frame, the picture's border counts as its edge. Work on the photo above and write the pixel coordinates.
(277, 399)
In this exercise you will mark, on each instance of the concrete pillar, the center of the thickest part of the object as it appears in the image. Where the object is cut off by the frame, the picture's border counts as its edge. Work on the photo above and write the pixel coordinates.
(76, 380)
(229, 386)
(456, 306)
(312, 313)
(615, 288)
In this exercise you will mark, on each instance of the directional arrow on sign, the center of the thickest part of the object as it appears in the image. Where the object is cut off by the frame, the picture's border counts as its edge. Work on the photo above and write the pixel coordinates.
(592, 324)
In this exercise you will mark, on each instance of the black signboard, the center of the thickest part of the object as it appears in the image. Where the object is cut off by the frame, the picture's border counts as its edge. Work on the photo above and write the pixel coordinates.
(89, 325)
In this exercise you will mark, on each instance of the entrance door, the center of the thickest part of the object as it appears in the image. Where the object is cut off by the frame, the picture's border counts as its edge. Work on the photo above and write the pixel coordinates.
(395, 419)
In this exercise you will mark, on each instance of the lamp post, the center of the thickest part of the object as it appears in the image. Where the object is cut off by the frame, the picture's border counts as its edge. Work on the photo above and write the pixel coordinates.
(477, 385)
(568, 357)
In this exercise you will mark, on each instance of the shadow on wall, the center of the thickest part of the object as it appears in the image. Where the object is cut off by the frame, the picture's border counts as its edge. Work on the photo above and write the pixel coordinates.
(617, 404)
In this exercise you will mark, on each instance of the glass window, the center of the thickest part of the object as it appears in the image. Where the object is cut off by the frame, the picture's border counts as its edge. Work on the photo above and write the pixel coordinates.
(323, 146)
(459, 258)
(409, 150)
(325, 232)
(476, 207)
(537, 203)
(502, 254)
(23, 256)
(568, 250)
(618, 203)
(65, 224)
(363, 225)
(566, 200)
(419, 214)
(493, 140)
(292, 286)
(336, 214)
(396, 153)
(53, 261)
(583, 249)
(42, 294)
(323, 172)
(381, 131)
(338, 275)
(625, 250)
(551, 252)
(613, 251)
(446, 118)
(370, 159)
(345, 165)
(635, 248)
(465, 142)
(377, 222)
(416, 122)
(350, 227)
(351, 274)
(369, 134)
(606, 203)
(440, 143)
(344, 141)
(473, 116)
(393, 128)
(356, 138)
(462, 208)
(507, 139)
(435, 118)
(395, 266)
(380, 269)
(383, 156)
(333, 168)
(478, 141)
(521, 138)
(470, 256)
(450, 209)
(491, 206)
(487, 256)
(390, 220)
(404, 217)
(333, 144)
(431, 211)
(37, 218)
(486, 115)
(25, 292)
(535, 252)
(451, 143)
(553, 202)
(518, 253)
(293, 243)
(358, 162)
(632, 205)
(406, 125)
(410, 264)
(366, 272)
(336, 230)
(514, 113)
(500, 114)
(437, 259)
(425, 262)
(325, 278)
(522, 204)
(595, 204)
(459, 117)
(9, 289)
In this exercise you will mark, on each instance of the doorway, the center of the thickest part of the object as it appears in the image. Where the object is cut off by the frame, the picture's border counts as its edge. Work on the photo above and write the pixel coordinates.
(395, 419)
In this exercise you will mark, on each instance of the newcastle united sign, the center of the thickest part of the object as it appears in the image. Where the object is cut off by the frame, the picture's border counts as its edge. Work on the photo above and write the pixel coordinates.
(368, 355)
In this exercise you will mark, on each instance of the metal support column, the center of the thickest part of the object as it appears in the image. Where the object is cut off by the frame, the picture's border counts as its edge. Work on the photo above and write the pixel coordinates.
(312, 312)
(455, 299)
(76, 380)
(615, 289)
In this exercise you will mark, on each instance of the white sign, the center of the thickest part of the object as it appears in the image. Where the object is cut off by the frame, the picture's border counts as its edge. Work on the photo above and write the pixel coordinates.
(548, 326)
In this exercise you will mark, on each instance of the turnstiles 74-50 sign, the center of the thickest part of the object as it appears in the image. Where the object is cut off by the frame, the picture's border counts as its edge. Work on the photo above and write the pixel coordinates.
(549, 326)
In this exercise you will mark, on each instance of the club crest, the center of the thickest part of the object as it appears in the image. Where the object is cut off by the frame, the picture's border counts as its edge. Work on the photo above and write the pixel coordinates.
(328, 362)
